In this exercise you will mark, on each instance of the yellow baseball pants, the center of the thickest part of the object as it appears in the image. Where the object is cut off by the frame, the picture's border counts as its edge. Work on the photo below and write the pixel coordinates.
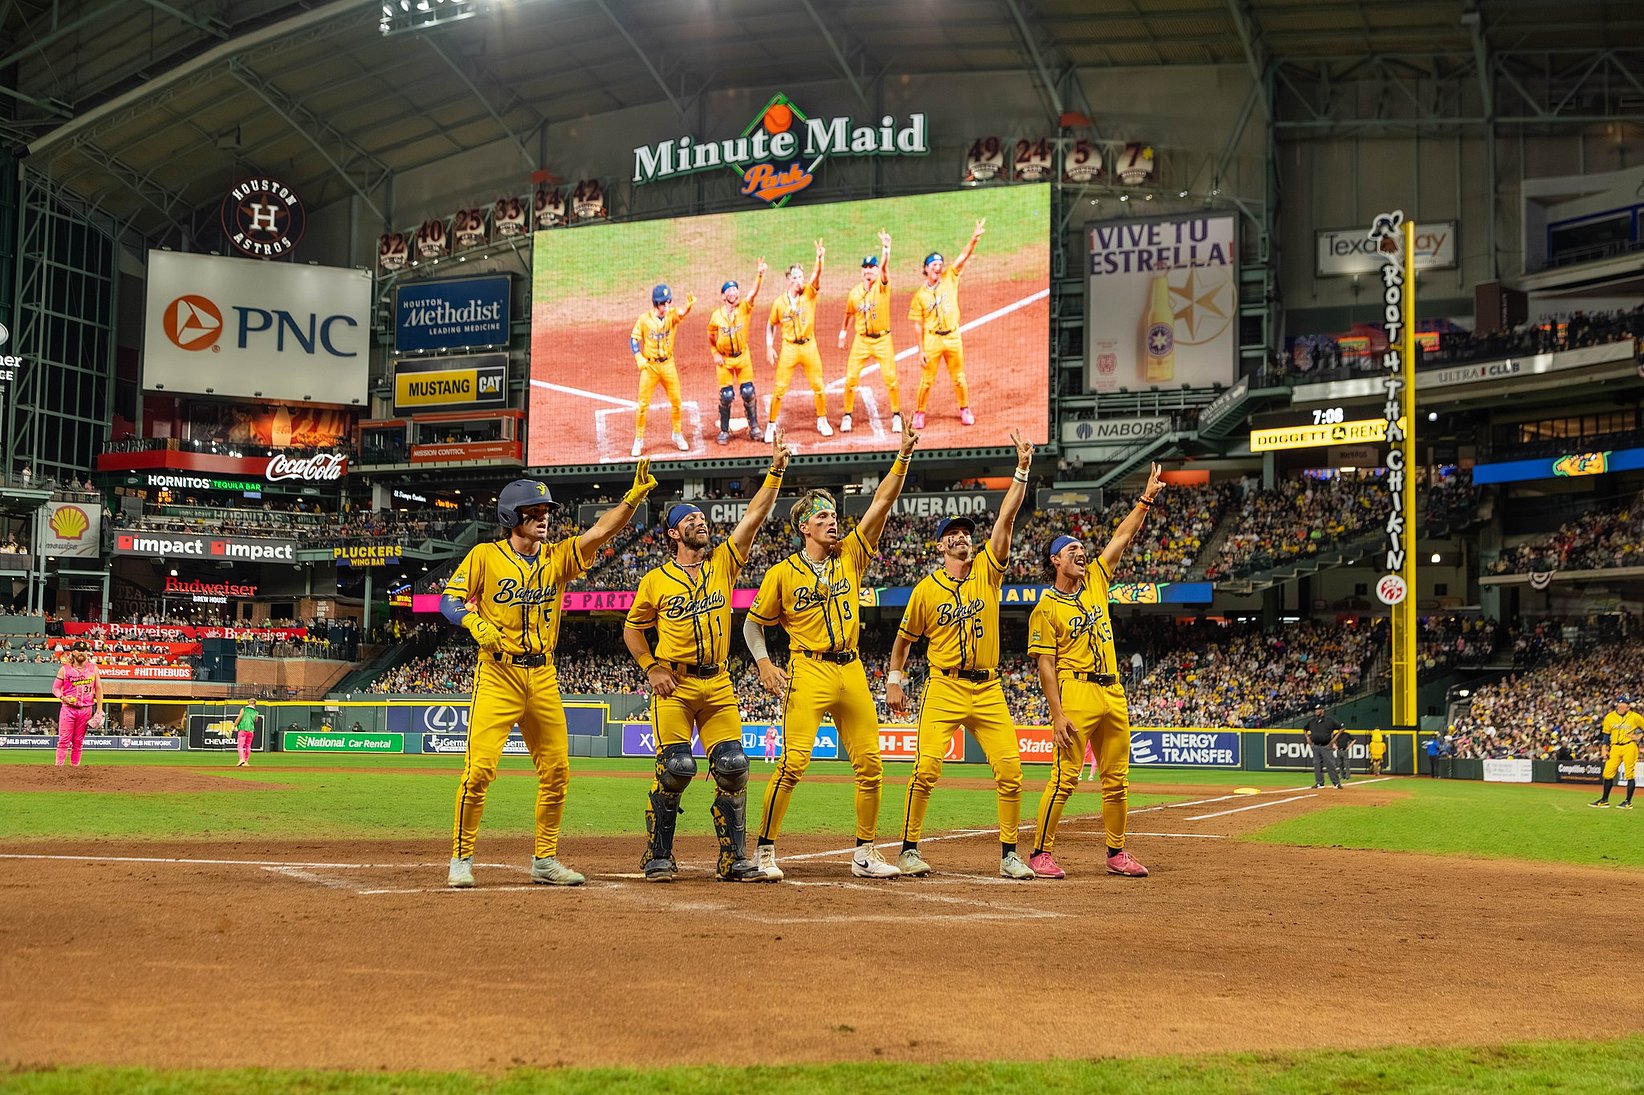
(948, 705)
(802, 354)
(864, 350)
(1101, 717)
(506, 694)
(1622, 757)
(815, 688)
(654, 373)
(706, 703)
(938, 349)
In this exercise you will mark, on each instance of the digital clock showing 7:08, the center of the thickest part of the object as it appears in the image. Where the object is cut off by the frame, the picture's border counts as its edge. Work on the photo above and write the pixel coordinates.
(1329, 416)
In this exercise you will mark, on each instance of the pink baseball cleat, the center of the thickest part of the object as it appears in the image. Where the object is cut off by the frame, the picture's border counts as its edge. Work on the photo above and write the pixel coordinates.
(1125, 865)
(965, 417)
(918, 420)
(1044, 866)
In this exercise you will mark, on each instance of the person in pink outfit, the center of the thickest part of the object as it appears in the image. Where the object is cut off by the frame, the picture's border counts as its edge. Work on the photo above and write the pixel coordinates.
(770, 745)
(1090, 760)
(80, 689)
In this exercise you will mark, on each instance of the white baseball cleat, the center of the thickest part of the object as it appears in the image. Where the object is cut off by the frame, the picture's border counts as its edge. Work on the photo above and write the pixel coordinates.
(461, 874)
(765, 860)
(823, 428)
(552, 872)
(639, 446)
(896, 423)
(845, 424)
(912, 864)
(1011, 866)
(770, 432)
(866, 862)
(679, 442)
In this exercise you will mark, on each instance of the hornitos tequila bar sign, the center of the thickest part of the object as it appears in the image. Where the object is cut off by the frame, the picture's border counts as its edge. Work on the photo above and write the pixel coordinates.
(777, 153)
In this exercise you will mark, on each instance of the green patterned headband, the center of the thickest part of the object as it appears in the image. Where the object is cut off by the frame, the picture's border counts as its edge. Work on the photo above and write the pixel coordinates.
(819, 504)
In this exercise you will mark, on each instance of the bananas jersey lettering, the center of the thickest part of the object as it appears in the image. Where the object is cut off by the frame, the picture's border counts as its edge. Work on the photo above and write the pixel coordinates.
(682, 608)
(510, 592)
(954, 614)
(807, 597)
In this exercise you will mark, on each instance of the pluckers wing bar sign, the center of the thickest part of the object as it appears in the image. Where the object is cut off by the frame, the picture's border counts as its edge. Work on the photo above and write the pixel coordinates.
(367, 555)
(778, 151)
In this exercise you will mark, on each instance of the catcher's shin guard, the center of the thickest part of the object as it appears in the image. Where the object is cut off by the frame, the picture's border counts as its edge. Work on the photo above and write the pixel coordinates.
(725, 395)
(749, 402)
(661, 815)
(729, 765)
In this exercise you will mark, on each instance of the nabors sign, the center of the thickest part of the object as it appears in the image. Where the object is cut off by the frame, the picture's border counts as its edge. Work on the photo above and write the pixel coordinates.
(777, 152)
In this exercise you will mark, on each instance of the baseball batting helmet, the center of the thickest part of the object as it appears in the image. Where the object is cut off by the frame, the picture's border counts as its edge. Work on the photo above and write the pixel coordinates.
(728, 285)
(871, 260)
(519, 494)
(661, 295)
(956, 521)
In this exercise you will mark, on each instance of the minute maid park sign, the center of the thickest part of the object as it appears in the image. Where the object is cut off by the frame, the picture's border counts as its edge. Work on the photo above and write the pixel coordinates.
(778, 151)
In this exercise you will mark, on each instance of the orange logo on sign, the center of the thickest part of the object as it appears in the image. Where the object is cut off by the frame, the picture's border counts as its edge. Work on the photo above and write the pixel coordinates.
(193, 323)
(768, 184)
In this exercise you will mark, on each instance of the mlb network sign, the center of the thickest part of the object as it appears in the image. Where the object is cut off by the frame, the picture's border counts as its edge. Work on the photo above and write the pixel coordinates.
(466, 313)
(256, 330)
(779, 150)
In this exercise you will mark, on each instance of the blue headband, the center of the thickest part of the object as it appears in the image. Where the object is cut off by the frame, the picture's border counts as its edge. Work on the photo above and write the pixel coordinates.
(932, 257)
(728, 285)
(679, 512)
(1057, 545)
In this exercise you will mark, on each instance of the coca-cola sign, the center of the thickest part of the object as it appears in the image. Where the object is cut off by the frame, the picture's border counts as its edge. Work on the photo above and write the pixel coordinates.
(325, 467)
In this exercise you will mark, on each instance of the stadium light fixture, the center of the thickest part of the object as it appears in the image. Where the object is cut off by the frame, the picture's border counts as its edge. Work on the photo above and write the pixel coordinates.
(1435, 557)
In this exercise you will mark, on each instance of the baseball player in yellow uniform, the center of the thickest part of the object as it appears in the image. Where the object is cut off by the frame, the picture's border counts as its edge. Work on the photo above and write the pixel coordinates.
(815, 593)
(688, 601)
(869, 302)
(794, 314)
(652, 343)
(934, 311)
(957, 609)
(507, 594)
(1623, 727)
(1070, 636)
(728, 328)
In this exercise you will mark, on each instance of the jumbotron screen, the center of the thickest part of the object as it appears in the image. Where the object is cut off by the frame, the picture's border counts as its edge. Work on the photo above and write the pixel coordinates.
(592, 291)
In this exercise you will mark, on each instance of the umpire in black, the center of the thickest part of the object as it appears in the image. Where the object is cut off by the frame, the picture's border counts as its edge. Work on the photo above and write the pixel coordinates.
(1321, 731)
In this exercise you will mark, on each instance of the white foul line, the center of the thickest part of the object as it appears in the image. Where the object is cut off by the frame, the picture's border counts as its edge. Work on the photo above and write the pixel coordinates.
(600, 396)
(1253, 806)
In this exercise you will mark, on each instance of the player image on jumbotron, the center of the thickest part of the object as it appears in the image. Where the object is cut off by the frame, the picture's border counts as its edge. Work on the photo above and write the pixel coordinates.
(588, 380)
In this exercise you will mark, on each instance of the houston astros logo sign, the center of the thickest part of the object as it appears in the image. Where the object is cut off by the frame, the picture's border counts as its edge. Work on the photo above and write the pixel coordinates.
(778, 151)
(264, 218)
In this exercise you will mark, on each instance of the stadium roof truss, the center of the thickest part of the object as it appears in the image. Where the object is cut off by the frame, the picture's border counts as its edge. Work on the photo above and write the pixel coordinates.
(145, 109)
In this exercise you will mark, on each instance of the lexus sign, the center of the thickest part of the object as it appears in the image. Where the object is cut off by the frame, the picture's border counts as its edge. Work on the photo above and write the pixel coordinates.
(256, 330)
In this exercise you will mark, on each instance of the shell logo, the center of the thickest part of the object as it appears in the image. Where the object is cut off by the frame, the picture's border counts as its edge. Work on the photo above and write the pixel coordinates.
(69, 523)
(193, 322)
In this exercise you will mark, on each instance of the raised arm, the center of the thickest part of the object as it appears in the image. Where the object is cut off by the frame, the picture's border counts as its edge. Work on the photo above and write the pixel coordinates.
(1132, 523)
(890, 488)
(999, 542)
(970, 248)
(613, 520)
(690, 302)
(816, 273)
(765, 500)
(759, 279)
(884, 257)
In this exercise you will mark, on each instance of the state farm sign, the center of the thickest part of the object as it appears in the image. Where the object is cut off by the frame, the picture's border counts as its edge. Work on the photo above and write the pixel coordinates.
(320, 468)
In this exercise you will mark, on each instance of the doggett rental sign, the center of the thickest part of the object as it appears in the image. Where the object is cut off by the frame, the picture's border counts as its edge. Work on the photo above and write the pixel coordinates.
(256, 330)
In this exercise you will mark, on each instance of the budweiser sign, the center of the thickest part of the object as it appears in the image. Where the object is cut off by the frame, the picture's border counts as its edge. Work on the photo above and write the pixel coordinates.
(325, 467)
(220, 589)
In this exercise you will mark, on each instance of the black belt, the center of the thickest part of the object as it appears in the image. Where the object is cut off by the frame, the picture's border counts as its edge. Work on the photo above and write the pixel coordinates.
(525, 661)
(1094, 678)
(881, 334)
(658, 360)
(949, 331)
(975, 676)
(838, 657)
(799, 341)
(696, 670)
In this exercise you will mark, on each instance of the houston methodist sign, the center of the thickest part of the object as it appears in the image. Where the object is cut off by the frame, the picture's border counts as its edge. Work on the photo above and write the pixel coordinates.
(780, 134)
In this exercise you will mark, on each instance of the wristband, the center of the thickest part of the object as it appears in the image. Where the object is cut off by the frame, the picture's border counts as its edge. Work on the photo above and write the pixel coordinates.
(1144, 502)
(1020, 476)
(899, 466)
(646, 665)
(773, 479)
(896, 677)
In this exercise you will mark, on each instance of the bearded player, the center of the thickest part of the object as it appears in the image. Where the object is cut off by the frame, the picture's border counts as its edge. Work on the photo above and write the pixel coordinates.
(934, 311)
(1623, 727)
(869, 302)
(507, 595)
(688, 601)
(794, 314)
(957, 609)
(728, 341)
(652, 344)
(1070, 636)
(815, 593)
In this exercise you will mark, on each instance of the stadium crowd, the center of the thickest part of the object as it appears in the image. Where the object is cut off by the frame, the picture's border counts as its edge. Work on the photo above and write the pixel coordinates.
(1597, 540)
(309, 527)
(1553, 711)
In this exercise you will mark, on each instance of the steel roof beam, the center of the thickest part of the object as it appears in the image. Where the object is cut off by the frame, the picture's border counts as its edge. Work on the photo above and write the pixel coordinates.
(644, 58)
(214, 27)
(1047, 83)
(838, 53)
(469, 81)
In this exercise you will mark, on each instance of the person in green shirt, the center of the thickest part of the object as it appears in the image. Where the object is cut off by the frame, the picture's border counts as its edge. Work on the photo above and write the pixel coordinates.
(245, 726)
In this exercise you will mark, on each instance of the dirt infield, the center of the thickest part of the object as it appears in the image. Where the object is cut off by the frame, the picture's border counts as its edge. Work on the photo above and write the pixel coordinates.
(355, 955)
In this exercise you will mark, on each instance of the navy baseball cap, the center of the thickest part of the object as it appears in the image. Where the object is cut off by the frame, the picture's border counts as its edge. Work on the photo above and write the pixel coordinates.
(932, 257)
(954, 522)
(871, 260)
(728, 285)
(679, 512)
(661, 294)
(1624, 699)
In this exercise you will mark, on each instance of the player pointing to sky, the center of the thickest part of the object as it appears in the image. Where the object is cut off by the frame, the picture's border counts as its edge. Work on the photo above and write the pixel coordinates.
(652, 344)
(934, 311)
(869, 302)
(794, 314)
(728, 341)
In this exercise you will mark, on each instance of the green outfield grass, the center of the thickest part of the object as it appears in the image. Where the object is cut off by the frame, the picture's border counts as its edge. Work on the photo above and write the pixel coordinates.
(1566, 1067)
(411, 797)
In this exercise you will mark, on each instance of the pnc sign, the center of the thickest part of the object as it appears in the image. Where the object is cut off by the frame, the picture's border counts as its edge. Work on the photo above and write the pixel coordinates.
(779, 150)
(195, 323)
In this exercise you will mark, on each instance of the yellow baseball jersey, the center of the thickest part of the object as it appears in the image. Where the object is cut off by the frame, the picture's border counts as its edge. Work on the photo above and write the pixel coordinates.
(1076, 627)
(656, 336)
(870, 304)
(961, 618)
(1624, 729)
(520, 594)
(728, 328)
(936, 307)
(797, 318)
(691, 612)
(820, 611)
